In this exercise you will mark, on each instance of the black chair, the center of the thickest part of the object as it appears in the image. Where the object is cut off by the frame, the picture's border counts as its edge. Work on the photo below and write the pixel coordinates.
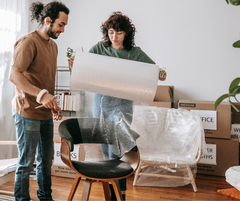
(105, 171)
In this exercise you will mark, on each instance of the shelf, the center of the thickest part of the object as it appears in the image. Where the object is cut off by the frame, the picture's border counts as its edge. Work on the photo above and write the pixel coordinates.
(68, 110)
(62, 89)
(62, 85)
(63, 69)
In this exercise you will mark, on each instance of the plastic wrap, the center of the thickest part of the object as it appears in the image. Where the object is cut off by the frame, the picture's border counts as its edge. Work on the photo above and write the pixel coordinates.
(169, 140)
(170, 170)
(175, 133)
(233, 176)
(111, 122)
(122, 78)
(120, 114)
(121, 82)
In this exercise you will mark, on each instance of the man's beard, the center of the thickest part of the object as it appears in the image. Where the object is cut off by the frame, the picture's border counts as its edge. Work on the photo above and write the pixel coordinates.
(51, 33)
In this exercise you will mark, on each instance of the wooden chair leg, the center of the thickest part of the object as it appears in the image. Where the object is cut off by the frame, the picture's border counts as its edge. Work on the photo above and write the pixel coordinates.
(8, 193)
(74, 187)
(106, 191)
(191, 178)
(137, 174)
(86, 189)
(117, 189)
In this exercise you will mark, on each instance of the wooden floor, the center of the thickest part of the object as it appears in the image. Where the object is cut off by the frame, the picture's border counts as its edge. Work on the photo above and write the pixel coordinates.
(207, 190)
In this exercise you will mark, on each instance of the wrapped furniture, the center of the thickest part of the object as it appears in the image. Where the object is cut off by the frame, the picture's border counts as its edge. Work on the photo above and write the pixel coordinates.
(170, 144)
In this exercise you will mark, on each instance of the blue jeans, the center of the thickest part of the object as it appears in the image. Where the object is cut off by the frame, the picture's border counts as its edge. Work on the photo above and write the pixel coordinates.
(113, 109)
(33, 135)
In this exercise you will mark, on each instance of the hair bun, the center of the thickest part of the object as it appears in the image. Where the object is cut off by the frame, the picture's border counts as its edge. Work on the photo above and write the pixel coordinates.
(35, 10)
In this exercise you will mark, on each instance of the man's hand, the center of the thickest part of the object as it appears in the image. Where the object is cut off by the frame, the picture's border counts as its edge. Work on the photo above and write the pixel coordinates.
(57, 113)
(49, 101)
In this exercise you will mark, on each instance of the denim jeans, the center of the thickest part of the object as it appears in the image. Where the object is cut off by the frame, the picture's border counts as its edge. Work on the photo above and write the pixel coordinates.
(33, 135)
(112, 108)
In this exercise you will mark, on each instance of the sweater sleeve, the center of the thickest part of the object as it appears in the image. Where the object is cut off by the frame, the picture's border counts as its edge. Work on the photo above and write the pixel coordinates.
(143, 57)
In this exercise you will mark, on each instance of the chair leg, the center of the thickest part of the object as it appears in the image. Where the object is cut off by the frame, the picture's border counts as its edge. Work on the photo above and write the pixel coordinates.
(117, 189)
(192, 178)
(137, 174)
(106, 191)
(74, 187)
(87, 189)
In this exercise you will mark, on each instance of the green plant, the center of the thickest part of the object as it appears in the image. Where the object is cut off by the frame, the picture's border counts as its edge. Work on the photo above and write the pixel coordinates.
(70, 52)
(235, 3)
(234, 89)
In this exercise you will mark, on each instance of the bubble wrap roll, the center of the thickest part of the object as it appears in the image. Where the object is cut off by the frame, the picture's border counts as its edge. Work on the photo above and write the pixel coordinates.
(126, 79)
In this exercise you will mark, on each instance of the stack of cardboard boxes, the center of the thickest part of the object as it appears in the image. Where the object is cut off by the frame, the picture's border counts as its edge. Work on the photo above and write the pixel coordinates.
(222, 147)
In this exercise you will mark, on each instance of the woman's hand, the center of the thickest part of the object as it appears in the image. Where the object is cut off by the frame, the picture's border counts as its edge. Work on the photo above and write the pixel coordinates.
(162, 74)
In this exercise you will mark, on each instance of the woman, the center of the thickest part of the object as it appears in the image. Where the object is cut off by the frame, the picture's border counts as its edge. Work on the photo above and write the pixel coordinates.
(118, 41)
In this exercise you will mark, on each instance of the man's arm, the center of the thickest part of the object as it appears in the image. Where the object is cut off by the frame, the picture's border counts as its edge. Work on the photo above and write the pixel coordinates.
(17, 78)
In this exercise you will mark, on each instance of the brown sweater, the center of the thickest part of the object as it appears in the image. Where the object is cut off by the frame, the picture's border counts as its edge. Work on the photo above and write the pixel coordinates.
(38, 58)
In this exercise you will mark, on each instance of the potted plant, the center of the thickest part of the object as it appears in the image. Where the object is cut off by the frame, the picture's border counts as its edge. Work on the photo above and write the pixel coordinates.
(70, 53)
(234, 88)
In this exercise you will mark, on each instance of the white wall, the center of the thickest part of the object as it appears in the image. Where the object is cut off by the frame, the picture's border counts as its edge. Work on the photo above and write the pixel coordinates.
(192, 39)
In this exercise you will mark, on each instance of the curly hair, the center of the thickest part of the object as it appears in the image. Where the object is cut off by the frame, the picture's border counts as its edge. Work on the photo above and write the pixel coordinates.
(39, 11)
(119, 22)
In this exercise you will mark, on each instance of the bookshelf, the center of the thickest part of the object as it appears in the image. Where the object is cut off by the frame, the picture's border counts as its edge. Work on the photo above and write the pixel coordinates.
(62, 79)
(62, 88)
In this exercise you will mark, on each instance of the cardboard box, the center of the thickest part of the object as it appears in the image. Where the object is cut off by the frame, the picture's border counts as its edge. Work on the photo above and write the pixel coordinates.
(59, 168)
(164, 97)
(218, 125)
(221, 154)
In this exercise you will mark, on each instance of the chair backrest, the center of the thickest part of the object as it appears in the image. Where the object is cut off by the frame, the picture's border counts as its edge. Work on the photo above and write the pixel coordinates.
(98, 131)
(173, 135)
(85, 130)
(72, 126)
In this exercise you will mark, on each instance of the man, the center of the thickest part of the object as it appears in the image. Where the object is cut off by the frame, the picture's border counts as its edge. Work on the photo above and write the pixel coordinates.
(33, 72)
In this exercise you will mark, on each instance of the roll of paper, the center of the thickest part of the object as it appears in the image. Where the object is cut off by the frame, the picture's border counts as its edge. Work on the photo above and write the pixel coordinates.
(121, 78)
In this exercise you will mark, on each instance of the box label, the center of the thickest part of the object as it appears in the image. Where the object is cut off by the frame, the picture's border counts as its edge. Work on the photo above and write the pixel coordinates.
(236, 130)
(63, 171)
(211, 156)
(57, 158)
(187, 104)
(208, 118)
(206, 169)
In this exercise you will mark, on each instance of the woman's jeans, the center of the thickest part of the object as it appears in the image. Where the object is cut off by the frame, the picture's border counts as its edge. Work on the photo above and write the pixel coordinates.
(33, 135)
(112, 108)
